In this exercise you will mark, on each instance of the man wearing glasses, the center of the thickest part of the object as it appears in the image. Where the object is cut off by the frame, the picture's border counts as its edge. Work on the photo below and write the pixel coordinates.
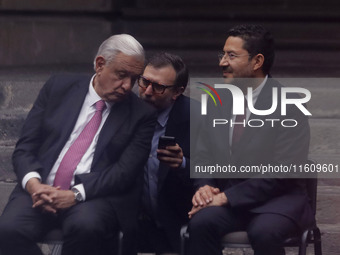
(270, 210)
(167, 187)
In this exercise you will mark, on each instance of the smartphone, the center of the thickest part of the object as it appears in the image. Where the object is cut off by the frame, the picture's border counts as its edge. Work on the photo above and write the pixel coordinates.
(166, 141)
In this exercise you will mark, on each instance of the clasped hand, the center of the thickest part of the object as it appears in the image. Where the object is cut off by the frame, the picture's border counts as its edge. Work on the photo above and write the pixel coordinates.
(207, 196)
(171, 155)
(48, 198)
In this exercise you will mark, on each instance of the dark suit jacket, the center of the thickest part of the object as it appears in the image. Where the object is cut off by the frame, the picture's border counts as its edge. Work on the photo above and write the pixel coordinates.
(175, 188)
(266, 145)
(122, 148)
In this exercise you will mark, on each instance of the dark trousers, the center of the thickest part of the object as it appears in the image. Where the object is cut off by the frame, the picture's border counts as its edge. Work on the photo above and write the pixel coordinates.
(152, 238)
(85, 226)
(266, 232)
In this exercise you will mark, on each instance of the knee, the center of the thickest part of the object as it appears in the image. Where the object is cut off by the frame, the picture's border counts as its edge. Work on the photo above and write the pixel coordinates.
(264, 237)
(8, 231)
(83, 228)
(205, 220)
(199, 221)
(4, 229)
(7, 227)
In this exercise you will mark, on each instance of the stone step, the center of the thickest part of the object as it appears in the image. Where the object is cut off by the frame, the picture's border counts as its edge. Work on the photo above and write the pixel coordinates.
(325, 96)
(198, 33)
(324, 137)
(206, 27)
(19, 94)
(204, 63)
(330, 236)
(288, 63)
(38, 40)
(61, 5)
(328, 205)
(5, 190)
(6, 169)
(10, 124)
(325, 143)
(244, 4)
(156, 28)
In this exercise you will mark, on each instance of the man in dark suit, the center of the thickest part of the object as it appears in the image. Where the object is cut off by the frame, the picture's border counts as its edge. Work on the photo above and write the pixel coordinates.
(269, 209)
(79, 157)
(167, 187)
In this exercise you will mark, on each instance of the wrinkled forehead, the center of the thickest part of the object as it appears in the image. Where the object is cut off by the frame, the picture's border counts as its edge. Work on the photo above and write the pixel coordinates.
(131, 64)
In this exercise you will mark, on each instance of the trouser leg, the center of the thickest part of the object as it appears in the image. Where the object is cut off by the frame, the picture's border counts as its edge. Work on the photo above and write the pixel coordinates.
(88, 226)
(267, 233)
(21, 226)
(151, 238)
(208, 226)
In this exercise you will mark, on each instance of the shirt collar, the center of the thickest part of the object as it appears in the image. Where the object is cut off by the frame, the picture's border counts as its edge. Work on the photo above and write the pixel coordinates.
(93, 97)
(258, 90)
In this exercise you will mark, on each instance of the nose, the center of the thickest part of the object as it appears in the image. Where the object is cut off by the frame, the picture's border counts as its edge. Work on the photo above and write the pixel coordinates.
(126, 85)
(224, 62)
(148, 90)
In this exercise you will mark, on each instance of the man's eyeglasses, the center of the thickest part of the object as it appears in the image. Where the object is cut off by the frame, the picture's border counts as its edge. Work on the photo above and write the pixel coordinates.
(229, 55)
(156, 88)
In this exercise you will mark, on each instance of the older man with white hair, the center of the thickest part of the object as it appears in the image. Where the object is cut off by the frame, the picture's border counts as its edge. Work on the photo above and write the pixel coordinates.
(79, 160)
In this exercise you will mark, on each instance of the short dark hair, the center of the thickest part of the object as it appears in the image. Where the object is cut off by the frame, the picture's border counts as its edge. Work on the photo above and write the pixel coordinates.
(164, 59)
(257, 40)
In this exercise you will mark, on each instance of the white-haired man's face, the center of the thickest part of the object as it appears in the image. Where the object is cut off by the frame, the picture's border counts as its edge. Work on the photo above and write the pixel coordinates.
(115, 79)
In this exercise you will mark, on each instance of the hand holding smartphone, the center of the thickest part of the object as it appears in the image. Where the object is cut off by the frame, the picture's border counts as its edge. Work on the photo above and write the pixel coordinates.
(173, 157)
(166, 141)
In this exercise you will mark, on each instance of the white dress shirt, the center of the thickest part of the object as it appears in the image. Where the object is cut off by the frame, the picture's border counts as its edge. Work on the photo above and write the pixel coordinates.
(256, 93)
(86, 113)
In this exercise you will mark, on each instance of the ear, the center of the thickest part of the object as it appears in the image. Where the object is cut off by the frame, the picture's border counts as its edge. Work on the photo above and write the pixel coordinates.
(258, 62)
(100, 63)
(179, 91)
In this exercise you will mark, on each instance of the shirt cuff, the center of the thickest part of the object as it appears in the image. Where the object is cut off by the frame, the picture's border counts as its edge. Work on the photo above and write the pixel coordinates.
(81, 189)
(29, 176)
(184, 162)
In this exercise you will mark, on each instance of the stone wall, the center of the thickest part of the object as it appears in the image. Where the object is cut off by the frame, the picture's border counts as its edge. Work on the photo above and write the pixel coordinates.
(59, 5)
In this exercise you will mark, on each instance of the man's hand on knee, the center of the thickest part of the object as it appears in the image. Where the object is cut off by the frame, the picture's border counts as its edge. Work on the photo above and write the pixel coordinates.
(204, 195)
(39, 192)
(63, 199)
(219, 199)
(54, 199)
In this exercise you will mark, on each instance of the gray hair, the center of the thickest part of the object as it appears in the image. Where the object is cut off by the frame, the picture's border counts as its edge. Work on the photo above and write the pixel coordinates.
(123, 43)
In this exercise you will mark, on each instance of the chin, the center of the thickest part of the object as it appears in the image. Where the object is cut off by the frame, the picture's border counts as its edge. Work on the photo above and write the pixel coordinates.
(150, 103)
(116, 99)
(229, 79)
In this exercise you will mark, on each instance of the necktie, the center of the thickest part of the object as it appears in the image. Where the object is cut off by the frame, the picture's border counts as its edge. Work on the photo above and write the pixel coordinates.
(77, 150)
(239, 128)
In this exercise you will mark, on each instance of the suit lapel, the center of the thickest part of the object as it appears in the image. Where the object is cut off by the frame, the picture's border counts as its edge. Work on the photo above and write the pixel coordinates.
(66, 117)
(70, 110)
(116, 118)
(75, 101)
